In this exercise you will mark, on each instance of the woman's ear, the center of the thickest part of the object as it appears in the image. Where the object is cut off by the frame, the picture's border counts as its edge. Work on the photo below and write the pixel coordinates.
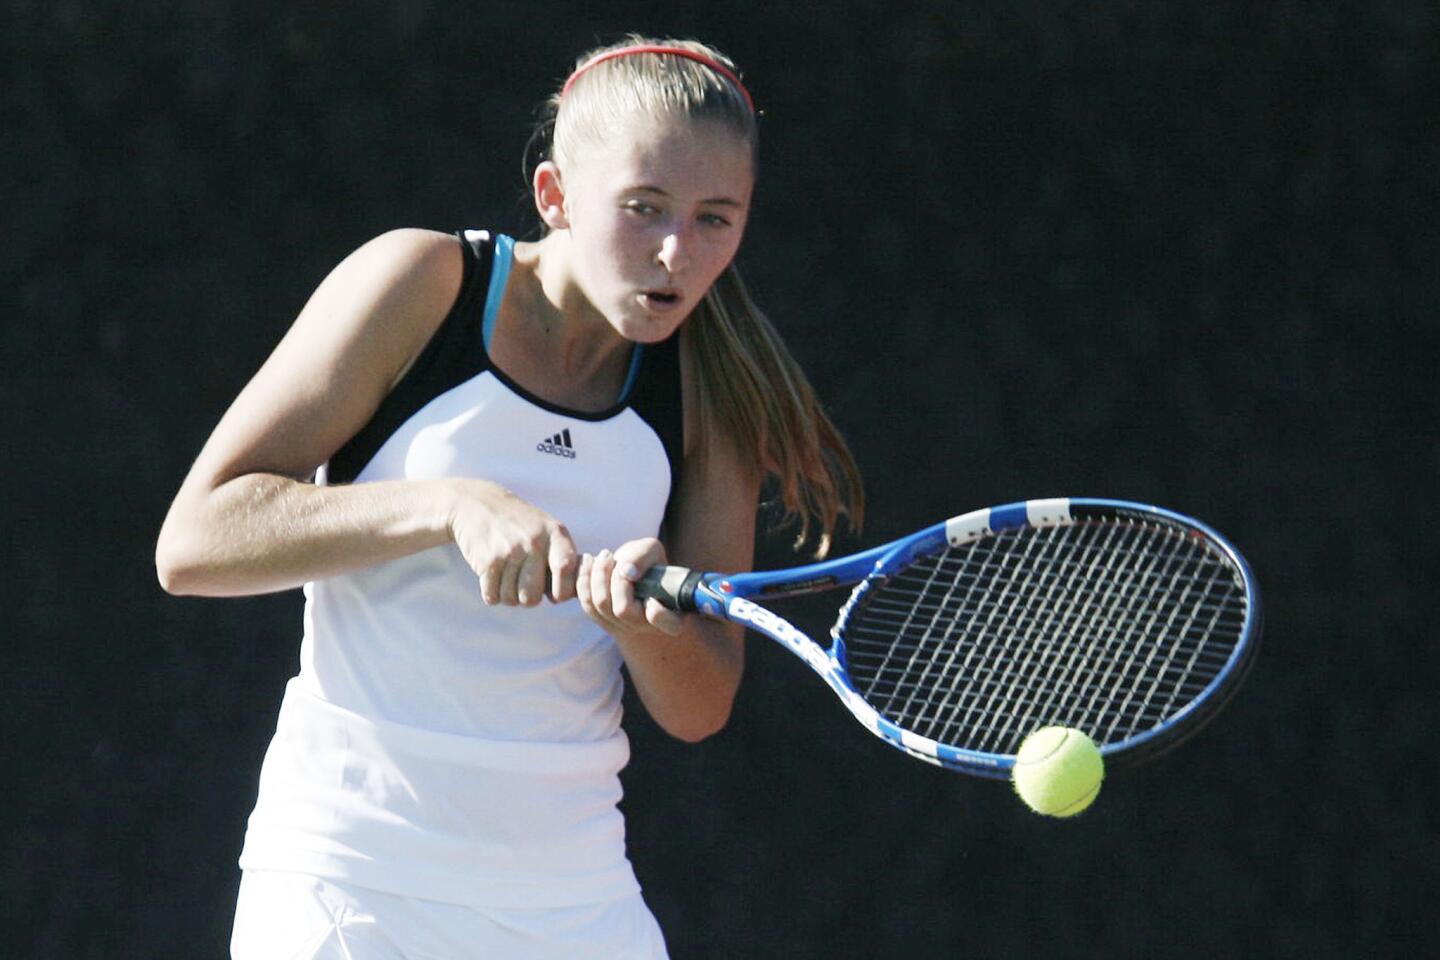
(550, 196)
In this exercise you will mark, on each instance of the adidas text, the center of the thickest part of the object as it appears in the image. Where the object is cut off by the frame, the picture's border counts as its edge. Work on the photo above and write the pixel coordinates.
(559, 445)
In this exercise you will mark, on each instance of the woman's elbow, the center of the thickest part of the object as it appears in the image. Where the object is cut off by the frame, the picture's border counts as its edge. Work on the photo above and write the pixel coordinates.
(175, 567)
(183, 558)
(696, 726)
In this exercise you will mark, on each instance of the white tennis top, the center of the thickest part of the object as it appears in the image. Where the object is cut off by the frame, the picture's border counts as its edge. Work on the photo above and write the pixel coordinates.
(433, 746)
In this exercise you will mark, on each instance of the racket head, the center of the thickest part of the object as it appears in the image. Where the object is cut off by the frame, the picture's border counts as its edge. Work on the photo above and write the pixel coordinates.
(1130, 622)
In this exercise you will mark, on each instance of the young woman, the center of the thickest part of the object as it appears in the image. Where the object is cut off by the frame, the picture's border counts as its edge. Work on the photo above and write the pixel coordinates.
(467, 450)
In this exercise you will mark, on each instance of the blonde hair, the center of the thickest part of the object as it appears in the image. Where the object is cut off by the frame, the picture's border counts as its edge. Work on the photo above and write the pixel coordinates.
(751, 391)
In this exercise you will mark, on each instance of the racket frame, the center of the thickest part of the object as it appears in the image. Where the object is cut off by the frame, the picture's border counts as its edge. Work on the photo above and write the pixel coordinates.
(732, 597)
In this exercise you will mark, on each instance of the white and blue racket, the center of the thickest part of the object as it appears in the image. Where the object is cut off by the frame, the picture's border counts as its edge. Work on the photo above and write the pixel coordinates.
(1129, 622)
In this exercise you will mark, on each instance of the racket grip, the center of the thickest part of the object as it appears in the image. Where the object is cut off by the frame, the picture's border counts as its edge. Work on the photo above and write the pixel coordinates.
(674, 587)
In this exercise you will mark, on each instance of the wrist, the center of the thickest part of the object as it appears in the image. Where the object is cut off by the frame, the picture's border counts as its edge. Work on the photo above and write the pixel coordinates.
(450, 497)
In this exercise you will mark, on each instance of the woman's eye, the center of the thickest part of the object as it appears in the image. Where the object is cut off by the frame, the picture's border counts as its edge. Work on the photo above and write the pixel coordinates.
(714, 219)
(640, 206)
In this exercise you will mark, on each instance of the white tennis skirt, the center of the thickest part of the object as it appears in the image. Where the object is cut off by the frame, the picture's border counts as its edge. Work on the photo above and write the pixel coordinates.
(294, 916)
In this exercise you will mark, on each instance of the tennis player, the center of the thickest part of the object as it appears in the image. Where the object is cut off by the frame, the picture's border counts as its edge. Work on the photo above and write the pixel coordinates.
(467, 449)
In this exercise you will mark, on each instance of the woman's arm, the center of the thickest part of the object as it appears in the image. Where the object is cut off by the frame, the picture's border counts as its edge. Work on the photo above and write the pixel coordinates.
(246, 521)
(686, 669)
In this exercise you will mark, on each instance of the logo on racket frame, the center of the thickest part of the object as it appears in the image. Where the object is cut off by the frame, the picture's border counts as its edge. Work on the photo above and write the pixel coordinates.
(752, 615)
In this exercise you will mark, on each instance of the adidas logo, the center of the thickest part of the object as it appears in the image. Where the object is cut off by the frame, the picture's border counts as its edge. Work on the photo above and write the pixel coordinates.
(559, 445)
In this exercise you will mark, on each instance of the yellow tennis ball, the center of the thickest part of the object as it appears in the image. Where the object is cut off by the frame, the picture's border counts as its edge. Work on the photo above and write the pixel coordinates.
(1058, 771)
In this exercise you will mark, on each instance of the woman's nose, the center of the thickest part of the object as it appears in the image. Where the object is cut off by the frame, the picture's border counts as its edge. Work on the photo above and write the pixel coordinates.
(674, 251)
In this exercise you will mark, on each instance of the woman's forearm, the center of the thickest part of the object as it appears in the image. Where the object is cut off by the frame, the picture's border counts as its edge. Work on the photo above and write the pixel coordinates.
(260, 533)
(687, 682)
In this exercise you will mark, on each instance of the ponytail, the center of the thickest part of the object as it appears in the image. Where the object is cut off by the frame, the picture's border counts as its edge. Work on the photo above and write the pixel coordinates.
(754, 395)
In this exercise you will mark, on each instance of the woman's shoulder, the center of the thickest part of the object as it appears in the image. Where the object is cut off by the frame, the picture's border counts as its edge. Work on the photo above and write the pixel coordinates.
(413, 254)
(406, 275)
(384, 300)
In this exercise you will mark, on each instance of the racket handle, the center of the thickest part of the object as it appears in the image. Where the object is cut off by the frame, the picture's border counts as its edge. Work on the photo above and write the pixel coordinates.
(674, 587)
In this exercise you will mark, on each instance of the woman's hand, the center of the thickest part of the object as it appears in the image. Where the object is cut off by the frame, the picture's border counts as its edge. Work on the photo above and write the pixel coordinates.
(519, 552)
(605, 586)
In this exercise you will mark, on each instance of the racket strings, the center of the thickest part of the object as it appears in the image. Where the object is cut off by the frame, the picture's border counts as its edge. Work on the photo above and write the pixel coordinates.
(1110, 626)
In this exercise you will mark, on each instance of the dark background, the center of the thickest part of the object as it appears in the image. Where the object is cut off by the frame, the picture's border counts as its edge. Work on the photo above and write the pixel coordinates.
(1178, 253)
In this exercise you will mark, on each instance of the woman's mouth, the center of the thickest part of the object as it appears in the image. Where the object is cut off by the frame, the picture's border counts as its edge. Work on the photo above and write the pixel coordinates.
(660, 300)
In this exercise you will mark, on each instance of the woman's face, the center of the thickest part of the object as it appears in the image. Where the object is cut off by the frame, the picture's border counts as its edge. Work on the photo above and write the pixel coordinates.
(655, 214)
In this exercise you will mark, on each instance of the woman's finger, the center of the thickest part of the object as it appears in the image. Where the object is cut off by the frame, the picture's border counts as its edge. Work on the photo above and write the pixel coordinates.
(530, 581)
(490, 579)
(632, 559)
(622, 588)
(582, 583)
(564, 562)
(662, 618)
(600, 571)
(510, 578)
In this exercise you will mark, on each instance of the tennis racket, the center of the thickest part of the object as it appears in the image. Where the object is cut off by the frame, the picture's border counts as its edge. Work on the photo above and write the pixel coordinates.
(1129, 622)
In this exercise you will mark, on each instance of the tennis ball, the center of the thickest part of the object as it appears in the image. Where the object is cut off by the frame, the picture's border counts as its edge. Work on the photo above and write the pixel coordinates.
(1058, 771)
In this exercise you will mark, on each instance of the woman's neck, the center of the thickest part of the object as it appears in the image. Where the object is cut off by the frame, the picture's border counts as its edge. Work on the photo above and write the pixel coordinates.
(550, 338)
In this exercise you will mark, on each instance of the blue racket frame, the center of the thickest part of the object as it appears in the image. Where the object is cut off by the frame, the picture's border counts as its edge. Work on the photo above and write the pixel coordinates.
(732, 597)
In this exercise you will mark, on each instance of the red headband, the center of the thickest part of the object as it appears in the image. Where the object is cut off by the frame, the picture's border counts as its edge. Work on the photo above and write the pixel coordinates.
(710, 62)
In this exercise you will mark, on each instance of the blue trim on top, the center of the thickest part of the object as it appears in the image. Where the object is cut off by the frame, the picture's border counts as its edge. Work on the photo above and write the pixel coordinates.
(499, 273)
(634, 374)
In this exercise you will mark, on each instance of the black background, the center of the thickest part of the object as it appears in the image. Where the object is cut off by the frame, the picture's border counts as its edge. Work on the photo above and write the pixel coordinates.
(1178, 253)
